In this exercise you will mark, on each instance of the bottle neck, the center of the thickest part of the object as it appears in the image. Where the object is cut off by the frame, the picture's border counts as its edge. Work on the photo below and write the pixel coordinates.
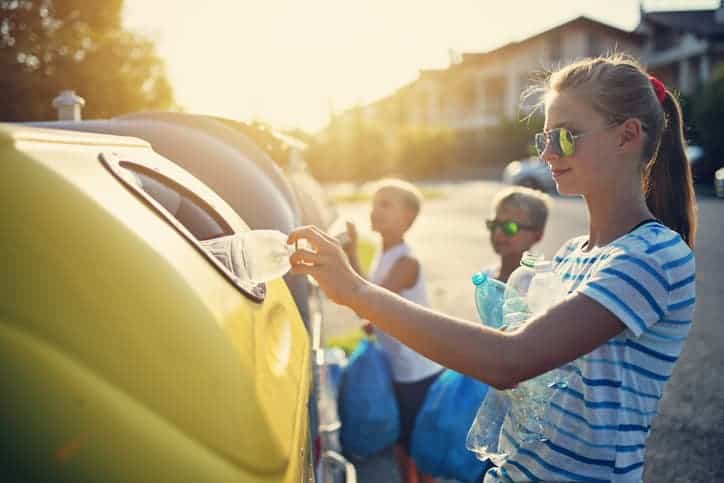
(531, 259)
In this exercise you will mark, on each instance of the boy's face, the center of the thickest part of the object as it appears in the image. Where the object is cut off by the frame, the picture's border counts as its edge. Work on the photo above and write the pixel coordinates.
(390, 216)
(523, 240)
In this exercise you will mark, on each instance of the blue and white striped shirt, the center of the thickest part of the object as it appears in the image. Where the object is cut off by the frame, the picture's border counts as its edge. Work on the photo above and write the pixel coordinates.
(598, 424)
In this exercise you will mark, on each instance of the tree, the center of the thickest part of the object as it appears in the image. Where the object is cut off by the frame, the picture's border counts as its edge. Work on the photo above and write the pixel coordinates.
(708, 115)
(50, 45)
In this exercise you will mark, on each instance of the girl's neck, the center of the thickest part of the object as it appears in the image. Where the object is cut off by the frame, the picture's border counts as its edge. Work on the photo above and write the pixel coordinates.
(614, 213)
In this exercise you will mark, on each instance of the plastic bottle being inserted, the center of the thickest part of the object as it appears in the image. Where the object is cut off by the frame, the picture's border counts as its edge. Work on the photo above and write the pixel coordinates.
(266, 254)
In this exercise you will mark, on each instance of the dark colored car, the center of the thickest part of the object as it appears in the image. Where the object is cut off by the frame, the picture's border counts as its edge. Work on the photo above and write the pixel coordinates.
(702, 165)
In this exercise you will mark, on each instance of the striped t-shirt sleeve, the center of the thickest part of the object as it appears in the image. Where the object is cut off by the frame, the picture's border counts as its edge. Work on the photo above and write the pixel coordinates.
(633, 286)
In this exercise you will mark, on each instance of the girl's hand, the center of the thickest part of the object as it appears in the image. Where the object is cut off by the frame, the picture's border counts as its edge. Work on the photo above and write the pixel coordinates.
(327, 264)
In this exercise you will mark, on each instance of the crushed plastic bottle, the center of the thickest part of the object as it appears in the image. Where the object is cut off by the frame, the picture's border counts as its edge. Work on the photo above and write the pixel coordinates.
(483, 437)
(266, 254)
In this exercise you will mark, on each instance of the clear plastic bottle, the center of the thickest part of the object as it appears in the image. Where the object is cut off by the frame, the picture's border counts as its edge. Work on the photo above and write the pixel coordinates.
(535, 286)
(265, 254)
(531, 289)
(515, 306)
(482, 438)
(489, 299)
(484, 434)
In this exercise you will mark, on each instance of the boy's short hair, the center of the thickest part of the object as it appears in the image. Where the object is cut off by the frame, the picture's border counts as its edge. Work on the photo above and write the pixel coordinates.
(535, 202)
(410, 195)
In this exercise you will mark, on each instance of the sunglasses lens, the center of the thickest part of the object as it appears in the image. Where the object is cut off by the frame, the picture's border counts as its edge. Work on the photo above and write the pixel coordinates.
(566, 142)
(510, 228)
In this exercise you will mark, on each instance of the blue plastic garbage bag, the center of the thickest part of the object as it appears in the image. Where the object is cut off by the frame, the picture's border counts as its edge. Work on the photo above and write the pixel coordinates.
(438, 439)
(367, 405)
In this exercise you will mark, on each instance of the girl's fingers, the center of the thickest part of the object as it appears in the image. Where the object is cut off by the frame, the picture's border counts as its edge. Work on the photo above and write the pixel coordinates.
(316, 237)
(305, 257)
(302, 269)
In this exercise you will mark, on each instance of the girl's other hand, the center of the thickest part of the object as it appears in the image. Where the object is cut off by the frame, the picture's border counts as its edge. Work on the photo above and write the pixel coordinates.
(326, 263)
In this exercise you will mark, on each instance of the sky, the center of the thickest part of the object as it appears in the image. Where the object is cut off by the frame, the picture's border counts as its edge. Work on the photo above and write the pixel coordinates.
(291, 63)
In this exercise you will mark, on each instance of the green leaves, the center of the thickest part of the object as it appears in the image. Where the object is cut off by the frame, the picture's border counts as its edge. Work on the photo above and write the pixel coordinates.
(50, 45)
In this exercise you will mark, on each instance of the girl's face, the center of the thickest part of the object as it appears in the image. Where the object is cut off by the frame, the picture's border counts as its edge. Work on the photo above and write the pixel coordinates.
(591, 168)
(504, 244)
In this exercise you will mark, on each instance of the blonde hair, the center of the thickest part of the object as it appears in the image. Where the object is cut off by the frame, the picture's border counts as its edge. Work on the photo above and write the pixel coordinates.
(410, 195)
(535, 202)
(618, 88)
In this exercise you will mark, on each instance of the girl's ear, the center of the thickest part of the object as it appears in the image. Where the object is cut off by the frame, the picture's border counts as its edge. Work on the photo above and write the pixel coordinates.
(630, 134)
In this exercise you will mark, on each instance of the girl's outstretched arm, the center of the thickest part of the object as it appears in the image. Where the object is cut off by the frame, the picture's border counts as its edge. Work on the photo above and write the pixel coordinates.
(570, 329)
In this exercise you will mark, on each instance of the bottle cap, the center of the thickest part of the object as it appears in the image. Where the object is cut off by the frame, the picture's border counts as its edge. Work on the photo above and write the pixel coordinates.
(479, 278)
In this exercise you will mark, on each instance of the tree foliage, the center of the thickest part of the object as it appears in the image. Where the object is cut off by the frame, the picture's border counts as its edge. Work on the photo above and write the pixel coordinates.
(50, 45)
(352, 148)
(708, 115)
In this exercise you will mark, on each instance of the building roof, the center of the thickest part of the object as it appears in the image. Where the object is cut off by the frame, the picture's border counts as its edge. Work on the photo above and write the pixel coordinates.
(581, 20)
(702, 22)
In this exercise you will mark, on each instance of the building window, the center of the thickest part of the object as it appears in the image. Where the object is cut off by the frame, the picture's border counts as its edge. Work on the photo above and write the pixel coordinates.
(528, 100)
(555, 47)
(495, 96)
(594, 44)
(664, 39)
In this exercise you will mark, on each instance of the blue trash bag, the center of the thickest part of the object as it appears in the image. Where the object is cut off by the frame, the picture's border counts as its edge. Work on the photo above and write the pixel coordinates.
(441, 427)
(367, 405)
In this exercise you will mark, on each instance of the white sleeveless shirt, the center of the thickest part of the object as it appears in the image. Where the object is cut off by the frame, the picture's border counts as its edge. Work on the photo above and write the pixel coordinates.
(407, 365)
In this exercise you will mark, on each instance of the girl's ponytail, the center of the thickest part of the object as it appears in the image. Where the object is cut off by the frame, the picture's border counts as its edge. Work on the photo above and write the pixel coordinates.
(667, 177)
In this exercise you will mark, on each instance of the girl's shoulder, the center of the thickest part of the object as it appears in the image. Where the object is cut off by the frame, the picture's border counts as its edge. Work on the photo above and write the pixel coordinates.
(652, 240)
(570, 247)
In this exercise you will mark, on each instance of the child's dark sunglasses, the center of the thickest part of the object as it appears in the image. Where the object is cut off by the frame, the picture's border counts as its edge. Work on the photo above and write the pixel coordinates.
(508, 227)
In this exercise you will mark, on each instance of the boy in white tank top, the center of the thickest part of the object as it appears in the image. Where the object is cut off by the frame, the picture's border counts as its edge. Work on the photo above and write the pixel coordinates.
(394, 208)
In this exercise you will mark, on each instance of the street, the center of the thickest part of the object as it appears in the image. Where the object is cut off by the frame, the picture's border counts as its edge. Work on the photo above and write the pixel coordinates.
(450, 239)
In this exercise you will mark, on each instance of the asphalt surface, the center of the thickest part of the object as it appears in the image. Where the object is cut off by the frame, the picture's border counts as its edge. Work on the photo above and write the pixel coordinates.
(449, 237)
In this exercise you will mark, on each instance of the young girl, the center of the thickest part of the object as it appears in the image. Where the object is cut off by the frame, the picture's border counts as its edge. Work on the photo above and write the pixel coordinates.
(614, 135)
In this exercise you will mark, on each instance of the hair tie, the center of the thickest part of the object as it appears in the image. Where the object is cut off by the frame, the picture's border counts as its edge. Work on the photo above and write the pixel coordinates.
(659, 89)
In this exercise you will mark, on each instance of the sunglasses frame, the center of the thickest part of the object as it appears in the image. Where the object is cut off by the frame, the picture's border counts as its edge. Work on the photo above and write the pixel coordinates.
(494, 224)
(564, 146)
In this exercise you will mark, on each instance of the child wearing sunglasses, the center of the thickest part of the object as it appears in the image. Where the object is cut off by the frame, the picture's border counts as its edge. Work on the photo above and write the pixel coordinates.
(613, 134)
(520, 218)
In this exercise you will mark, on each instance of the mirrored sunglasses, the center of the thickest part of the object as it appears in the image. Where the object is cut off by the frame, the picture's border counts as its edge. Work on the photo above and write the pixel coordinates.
(562, 142)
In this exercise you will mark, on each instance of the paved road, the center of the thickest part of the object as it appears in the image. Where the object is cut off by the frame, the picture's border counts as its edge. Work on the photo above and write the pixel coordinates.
(687, 440)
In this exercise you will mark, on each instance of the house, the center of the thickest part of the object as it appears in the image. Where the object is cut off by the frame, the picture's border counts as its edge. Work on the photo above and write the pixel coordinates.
(484, 89)
(682, 47)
